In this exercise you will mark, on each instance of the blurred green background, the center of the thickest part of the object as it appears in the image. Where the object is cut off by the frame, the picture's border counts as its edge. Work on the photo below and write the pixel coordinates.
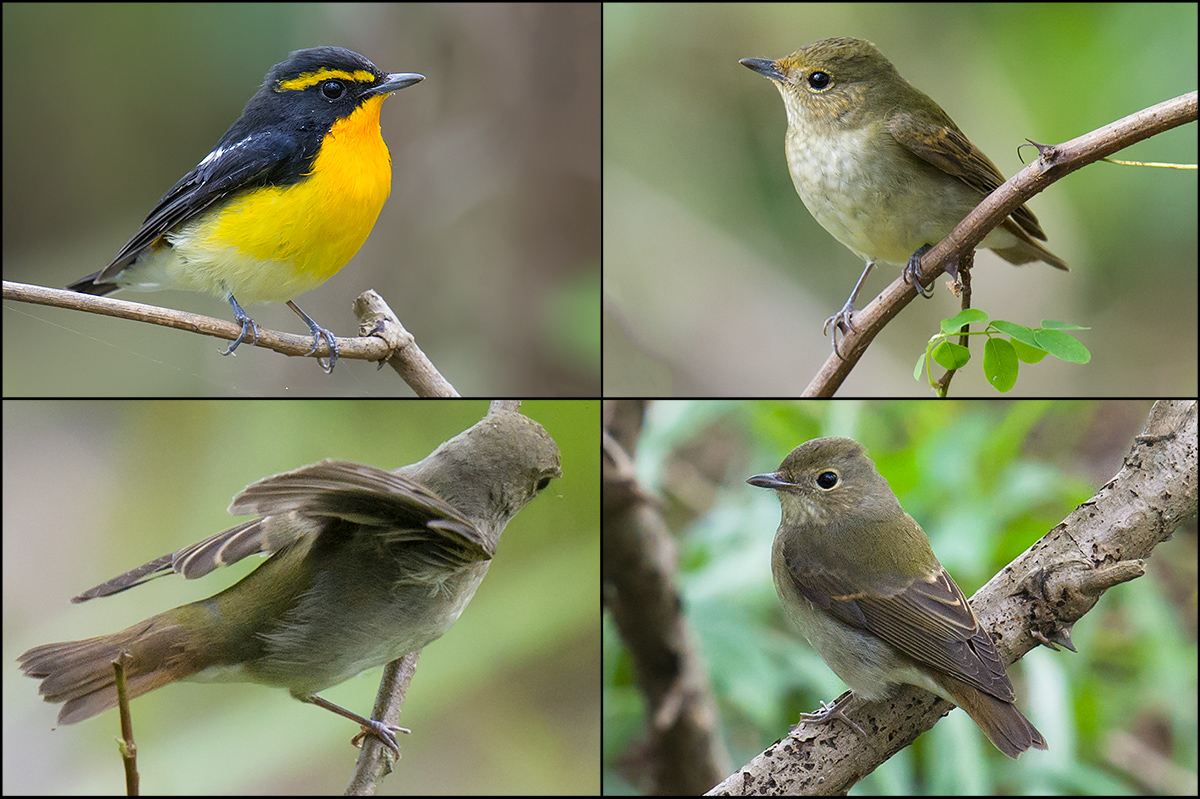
(985, 481)
(505, 702)
(488, 249)
(717, 280)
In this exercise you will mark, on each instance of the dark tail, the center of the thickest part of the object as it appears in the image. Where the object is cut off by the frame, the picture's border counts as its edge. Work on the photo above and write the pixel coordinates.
(88, 285)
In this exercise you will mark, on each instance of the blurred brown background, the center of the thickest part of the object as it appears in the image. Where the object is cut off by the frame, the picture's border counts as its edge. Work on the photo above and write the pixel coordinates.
(488, 249)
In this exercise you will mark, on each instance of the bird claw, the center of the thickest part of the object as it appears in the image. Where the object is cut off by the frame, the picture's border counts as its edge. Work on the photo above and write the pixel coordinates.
(386, 733)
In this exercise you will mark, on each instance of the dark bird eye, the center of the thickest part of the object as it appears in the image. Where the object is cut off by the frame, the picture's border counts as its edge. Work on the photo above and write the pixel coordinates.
(332, 89)
(827, 480)
(818, 80)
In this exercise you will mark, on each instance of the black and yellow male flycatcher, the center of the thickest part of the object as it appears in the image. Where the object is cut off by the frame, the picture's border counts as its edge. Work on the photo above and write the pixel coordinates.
(283, 201)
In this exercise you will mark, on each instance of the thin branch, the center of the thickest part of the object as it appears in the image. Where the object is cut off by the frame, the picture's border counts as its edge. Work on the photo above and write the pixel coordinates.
(1053, 164)
(376, 319)
(963, 288)
(376, 761)
(382, 336)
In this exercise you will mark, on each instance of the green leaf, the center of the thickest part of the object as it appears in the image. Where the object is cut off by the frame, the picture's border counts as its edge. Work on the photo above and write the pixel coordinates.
(1018, 332)
(1027, 353)
(950, 355)
(967, 316)
(1000, 364)
(1063, 346)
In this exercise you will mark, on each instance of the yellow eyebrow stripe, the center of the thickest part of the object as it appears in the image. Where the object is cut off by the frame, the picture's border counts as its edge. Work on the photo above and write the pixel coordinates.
(313, 78)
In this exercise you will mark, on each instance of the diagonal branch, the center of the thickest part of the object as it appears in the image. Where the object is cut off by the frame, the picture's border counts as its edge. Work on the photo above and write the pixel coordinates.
(1053, 164)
